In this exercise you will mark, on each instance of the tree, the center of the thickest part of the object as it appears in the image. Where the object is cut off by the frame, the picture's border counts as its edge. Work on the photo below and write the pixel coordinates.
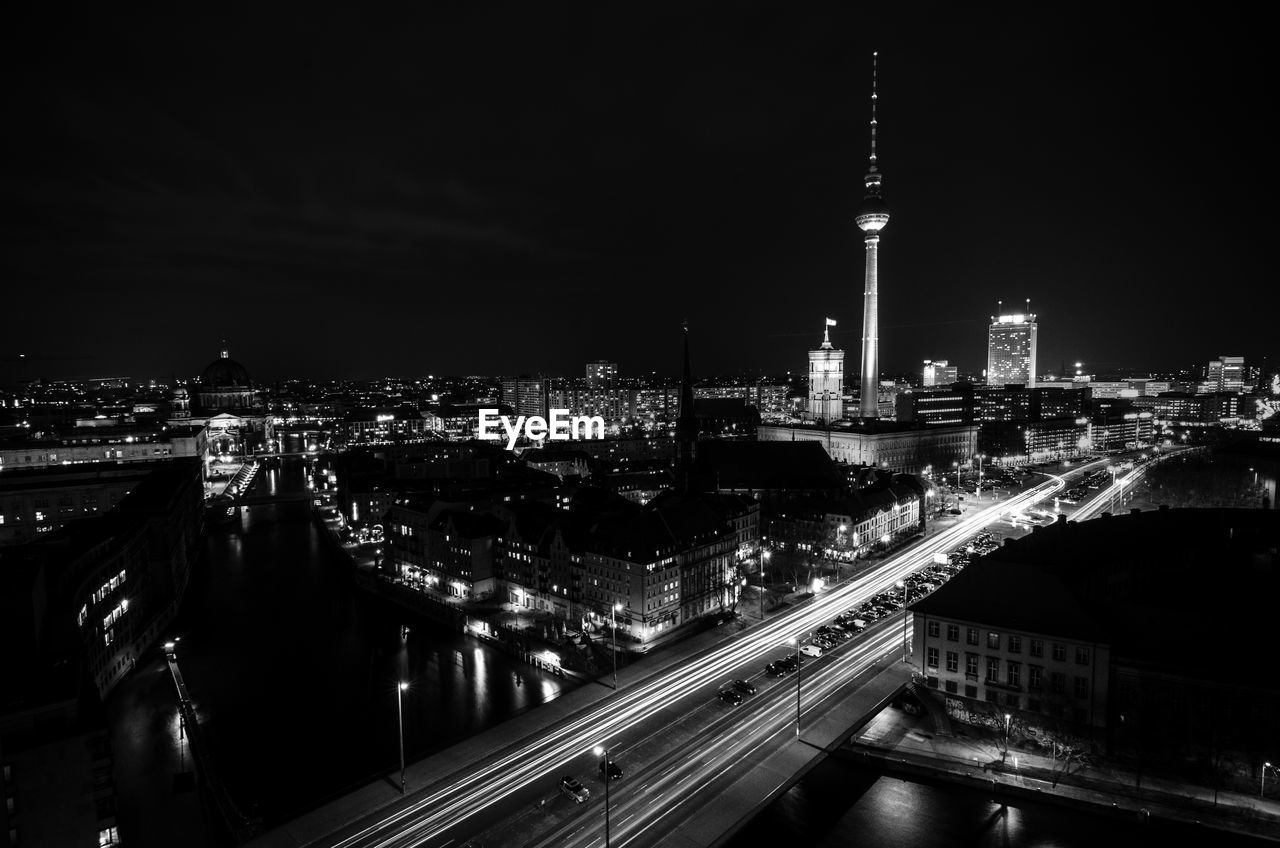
(730, 590)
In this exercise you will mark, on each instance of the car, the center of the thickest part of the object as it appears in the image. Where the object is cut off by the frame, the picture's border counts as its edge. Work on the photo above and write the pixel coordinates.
(731, 696)
(792, 661)
(824, 643)
(615, 770)
(774, 669)
(746, 687)
(811, 650)
(574, 789)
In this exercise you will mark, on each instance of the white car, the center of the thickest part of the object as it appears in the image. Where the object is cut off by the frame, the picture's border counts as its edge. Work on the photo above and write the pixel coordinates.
(811, 651)
(575, 790)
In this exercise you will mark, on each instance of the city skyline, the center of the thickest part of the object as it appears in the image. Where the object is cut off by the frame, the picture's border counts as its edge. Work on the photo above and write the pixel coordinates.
(257, 190)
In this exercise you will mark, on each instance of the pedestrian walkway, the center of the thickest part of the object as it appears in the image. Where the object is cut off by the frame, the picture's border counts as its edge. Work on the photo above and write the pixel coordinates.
(899, 742)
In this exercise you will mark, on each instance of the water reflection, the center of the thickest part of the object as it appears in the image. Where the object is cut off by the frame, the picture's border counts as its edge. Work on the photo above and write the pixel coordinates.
(294, 672)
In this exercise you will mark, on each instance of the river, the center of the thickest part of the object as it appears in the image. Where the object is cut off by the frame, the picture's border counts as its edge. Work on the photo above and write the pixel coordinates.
(294, 675)
(293, 671)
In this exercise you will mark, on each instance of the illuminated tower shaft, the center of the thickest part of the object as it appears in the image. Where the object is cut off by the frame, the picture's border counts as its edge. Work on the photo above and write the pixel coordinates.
(873, 214)
(868, 406)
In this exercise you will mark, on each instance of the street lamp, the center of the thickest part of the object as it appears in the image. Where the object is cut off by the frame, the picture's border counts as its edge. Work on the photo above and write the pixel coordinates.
(1262, 790)
(795, 640)
(764, 560)
(1006, 733)
(613, 618)
(903, 586)
(400, 689)
(603, 751)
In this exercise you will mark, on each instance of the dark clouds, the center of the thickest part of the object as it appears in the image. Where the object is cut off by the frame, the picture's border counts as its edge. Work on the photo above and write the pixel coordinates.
(470, 190)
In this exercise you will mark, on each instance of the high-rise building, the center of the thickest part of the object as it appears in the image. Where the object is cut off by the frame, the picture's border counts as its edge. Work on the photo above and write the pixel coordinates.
(938, 373)
(1011, 349)
(826, 380)
(601, 375)
(1226, 373)
(873, 214)
(527, 395)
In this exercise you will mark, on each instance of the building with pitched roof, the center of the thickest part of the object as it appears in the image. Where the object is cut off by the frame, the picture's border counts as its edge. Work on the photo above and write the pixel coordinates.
(1148, 632)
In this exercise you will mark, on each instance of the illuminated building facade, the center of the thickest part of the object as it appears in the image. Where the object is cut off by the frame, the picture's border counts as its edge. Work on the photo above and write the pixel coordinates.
(766, 397)
(1011, 349)
(826, 380)
(1226, 374)
(938, 373)
(896, 447)
(234, 418)
(1034, 441)
(601, 375)
(527, 396)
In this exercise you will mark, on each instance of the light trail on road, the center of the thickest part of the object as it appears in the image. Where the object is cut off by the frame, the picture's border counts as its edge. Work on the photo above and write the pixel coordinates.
(541, 757)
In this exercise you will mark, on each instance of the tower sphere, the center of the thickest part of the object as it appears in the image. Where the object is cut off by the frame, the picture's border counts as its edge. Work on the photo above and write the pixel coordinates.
(873, 214)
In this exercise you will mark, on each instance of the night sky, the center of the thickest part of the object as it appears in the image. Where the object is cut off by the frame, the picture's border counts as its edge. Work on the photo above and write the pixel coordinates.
(458, 189)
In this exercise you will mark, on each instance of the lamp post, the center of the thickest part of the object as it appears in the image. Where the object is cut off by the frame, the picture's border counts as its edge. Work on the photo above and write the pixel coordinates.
(1262, 790)
(764, 559)
(400, 689)
(795, 640)
(603, 751)
(613, 618)
(1006, 733)
(903, 586)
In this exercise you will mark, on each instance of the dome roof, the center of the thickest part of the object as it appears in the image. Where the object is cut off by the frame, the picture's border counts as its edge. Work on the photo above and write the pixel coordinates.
(224, 372)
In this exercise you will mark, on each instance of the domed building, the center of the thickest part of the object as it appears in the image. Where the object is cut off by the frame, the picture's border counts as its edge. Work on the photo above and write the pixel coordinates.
(225, 384)
(234, 419)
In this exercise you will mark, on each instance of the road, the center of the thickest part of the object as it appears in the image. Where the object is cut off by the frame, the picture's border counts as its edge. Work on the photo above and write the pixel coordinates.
(521, 774)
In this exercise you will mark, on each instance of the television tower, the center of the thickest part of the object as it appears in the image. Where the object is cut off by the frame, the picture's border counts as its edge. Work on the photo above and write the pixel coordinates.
(873, 214)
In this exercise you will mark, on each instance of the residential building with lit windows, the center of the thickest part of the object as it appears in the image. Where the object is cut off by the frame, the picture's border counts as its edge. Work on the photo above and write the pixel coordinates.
(112, 582)
(769, 398)
(601, 375)
(451, 550)
(1107, 631)
(527, 395)
(855, 523)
